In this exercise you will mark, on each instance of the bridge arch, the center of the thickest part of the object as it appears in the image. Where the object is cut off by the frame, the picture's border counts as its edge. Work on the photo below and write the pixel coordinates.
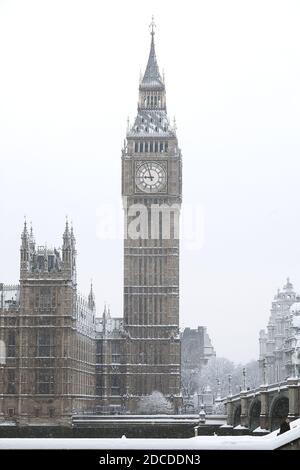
(279, 409)
(254, 414)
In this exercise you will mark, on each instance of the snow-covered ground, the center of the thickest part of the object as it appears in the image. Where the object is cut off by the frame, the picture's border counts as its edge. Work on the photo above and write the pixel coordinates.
(269, 442)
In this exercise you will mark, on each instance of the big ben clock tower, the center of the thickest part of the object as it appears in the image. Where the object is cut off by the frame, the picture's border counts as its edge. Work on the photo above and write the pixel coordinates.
(151, 190)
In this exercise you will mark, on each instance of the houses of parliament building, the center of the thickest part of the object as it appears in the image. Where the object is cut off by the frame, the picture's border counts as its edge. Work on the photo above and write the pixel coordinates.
(57, 357)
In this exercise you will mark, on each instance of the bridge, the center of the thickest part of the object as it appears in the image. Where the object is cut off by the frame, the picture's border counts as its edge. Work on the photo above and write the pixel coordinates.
(265, 407)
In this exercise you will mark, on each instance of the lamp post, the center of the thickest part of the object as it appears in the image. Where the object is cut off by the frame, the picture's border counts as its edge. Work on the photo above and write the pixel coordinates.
(264, 371)
(295, 360)
(229, 384)
(244, 378)
(218, 389)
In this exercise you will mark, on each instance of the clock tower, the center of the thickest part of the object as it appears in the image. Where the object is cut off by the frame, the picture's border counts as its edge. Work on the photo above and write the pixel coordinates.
(151, 190)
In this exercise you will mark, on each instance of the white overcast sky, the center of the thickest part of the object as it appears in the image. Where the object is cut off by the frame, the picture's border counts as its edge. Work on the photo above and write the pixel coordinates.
(69, 74)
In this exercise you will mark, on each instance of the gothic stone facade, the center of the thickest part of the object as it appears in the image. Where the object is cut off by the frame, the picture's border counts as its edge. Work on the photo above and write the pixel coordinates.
(47, 334)
(59, 359)
(279, 344)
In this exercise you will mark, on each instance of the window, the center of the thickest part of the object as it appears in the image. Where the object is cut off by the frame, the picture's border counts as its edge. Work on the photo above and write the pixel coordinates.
(36, 412)
(51, 263)
(11, 381)
(45, 347)
(45, 381)
(41, 262)
(115, 385)
(11, 412)
(11, 344)
(43, 298)
(115, 352)
(51, 412)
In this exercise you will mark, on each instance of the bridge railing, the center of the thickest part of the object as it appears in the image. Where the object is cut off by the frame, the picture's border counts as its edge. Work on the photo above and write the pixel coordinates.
(282, 385)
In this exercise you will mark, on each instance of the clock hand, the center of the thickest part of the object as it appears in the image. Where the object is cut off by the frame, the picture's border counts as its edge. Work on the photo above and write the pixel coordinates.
(150, 176)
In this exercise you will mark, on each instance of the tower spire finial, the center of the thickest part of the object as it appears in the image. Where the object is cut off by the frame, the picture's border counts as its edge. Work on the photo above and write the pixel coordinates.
(152, 25)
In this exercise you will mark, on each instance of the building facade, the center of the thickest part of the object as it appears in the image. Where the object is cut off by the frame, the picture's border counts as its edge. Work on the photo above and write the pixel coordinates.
(151, 190)
(278, 344)
(110, 364)
(47, 333)
(57, 358)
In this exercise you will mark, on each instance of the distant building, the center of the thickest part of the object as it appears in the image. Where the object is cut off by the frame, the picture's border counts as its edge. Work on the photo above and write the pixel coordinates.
(196, 348)
(279, 342)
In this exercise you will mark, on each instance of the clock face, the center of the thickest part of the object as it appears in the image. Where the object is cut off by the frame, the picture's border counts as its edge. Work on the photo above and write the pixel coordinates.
(151, 177)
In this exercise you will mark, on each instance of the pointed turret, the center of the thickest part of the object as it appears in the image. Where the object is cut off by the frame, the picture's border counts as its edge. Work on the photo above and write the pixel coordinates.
(67, 234)
(24, 250)
(152, 93)
(152, 77)
(91, 299)
(73, 239)
(69, 252)
(31, 239)
(25, 234)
